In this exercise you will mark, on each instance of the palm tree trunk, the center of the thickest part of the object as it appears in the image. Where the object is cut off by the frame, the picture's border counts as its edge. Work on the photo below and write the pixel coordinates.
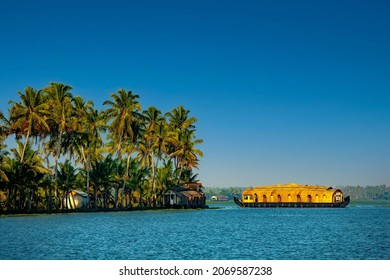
(140, 198)
(127, 175)
(116, 195)
(153, 182)
(47, 199)
(29, 195)
(179, 175)
(96, 197)
(105, 198)
(25, 146)
(88, 170)
(56, 158)
(8, 203)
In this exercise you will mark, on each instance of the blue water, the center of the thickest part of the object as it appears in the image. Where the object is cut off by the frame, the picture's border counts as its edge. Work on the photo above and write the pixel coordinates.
(360, 231)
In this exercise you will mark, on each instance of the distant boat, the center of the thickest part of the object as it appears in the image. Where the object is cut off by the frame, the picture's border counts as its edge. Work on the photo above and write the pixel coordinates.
(219, 198)
(292, 195)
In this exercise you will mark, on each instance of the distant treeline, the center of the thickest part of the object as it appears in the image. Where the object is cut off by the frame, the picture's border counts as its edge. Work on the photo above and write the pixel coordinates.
(381, 192)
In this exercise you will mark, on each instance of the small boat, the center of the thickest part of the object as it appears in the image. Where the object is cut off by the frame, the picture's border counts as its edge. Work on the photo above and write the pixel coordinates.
(292, 195)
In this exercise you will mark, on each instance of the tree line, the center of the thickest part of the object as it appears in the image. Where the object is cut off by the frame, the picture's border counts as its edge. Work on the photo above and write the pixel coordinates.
(381, 192)
(122, 156)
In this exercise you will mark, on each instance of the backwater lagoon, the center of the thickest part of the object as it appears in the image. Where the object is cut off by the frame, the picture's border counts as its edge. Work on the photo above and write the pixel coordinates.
(224, 232)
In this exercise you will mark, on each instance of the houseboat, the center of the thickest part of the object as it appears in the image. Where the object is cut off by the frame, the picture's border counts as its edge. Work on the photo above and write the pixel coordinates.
(292, 195)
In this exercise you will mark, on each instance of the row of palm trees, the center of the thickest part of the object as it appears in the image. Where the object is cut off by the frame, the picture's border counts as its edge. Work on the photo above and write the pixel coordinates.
(122, 156)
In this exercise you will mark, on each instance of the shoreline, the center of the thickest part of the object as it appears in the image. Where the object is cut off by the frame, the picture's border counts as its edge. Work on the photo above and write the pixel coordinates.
(93, 210)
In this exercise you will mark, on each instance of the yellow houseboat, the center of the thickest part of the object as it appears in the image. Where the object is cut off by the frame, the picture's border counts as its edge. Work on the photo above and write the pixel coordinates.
(292, 195)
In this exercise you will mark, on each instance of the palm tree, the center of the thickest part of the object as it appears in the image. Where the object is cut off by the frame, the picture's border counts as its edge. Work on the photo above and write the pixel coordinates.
(124, 112)
(138, 181)
(4, 160)
(165, 178)
(29, 116)
(85, 139)
(182, 149)
(125, 125)
(77, 136)
(3, 156)
(61, 119)
(4, 132)
(103, 176)
(179, 119)
(24, 176)
(152, 144)
(95, 125)
(67, 179)
(5, 127)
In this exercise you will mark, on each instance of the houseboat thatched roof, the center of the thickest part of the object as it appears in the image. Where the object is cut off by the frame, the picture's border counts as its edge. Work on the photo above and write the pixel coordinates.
(191, 194)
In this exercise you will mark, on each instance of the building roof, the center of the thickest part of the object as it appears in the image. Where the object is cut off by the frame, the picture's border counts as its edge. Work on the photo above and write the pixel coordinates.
(81, 193)
(191, 193)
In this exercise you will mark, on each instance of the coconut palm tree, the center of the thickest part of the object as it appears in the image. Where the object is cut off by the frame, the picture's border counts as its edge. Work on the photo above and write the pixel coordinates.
(182, 149)
(77, 136)
(138, 181)
(124, 116)
(4, 160)
(4, 132)
(179, 119)
(124, 126)
(5, 127)
(67, 179)
(165, 178)
(61, 120)
(186, 153)
(152, 144)
(3, 156)
(29, 116)
(103, 176)
(95, 124)
(24, 176)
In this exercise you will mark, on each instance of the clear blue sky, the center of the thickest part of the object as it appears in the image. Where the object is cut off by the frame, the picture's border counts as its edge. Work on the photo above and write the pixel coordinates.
(284, 91)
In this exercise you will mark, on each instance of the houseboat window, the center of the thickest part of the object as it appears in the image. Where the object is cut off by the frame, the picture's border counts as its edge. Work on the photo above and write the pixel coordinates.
(272, 198)
(298, 198)
(256, 200)
(289, 197)
(338, 197)
(248, 197)
(172, 196)
(264, 198)
(309, 198)
(279, 198)
(317, 198)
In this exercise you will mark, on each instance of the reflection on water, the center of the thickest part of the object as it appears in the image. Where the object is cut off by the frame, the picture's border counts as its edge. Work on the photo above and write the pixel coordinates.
(360, 231)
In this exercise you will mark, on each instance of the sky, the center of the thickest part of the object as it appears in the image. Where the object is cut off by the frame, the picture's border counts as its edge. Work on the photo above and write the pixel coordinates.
(284, 91)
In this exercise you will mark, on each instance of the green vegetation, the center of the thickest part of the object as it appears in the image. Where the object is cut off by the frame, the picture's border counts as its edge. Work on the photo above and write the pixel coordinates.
(229, 192)
(367, 193)
(122, 156)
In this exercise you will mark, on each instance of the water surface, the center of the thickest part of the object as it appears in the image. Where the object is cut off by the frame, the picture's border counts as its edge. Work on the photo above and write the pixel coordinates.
(360, 231)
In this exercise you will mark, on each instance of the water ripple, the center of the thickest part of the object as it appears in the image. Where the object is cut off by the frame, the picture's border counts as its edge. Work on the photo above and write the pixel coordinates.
(223, 233)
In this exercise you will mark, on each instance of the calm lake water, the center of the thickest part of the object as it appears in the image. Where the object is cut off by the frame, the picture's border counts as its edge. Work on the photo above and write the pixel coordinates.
(360, 231)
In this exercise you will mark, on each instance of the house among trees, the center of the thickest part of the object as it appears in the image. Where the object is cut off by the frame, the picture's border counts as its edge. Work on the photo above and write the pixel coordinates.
(189, 195)
(76, 199)
(122, 155)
